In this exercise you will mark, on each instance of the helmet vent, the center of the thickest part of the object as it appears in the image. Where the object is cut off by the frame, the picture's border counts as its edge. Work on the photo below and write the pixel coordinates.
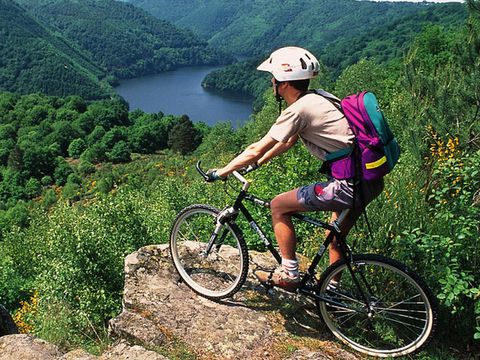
(308, 57)
(304, 64)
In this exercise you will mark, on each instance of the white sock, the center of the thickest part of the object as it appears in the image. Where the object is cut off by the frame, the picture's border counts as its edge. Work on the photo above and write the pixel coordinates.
(290, 267)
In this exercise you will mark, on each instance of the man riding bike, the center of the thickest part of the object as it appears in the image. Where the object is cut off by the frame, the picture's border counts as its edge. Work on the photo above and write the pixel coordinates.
(323, 129)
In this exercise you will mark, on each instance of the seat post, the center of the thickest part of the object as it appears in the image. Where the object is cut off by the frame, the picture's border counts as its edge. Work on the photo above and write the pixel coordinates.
(336, 223)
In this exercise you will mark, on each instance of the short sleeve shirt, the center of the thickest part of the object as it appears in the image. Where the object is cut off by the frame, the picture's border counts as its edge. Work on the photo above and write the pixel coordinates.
(320, 125)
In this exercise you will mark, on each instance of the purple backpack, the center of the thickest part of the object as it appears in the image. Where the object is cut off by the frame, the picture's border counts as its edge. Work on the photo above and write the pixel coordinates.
(376, 150)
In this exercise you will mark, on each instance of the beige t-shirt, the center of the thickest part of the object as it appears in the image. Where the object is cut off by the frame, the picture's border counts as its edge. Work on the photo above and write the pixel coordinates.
(321, 126)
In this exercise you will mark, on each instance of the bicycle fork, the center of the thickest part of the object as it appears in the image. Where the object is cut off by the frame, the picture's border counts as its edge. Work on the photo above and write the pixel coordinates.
(220, 221)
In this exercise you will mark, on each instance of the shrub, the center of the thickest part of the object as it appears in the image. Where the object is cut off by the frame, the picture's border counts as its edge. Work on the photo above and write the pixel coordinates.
(76, 148)
(33, 187)
(62, 171)
(120, 153)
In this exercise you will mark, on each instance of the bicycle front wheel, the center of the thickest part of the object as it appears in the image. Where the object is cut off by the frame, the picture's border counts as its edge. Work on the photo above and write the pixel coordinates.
(380, 308)
(213, 265)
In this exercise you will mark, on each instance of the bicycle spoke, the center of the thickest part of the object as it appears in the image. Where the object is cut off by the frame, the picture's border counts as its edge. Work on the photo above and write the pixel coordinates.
(397, 285)
(403, 323)
(399, 313)
(347, 317)
(404, 301)
(348, 297)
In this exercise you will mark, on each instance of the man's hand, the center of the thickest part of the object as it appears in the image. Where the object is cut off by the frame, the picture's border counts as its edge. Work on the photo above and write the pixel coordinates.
(213, 176)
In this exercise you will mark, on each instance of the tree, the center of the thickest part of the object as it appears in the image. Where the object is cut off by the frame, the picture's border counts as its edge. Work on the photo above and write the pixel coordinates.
(62, 171)
(38, 161)
(120, 153)
(76, 148)
(63, 133)
(33, 187)
(109, 113)
(184, 137)
(76, 103)
(95, 136)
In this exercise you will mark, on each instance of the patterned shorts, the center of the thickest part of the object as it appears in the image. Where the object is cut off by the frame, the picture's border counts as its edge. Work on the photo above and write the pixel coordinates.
(337, 195)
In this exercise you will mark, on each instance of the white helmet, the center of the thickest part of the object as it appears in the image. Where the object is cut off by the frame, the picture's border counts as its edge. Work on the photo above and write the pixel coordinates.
(291, 63)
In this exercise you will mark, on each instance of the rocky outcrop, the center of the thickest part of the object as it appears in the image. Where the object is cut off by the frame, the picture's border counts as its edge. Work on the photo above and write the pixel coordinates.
(163, 316)
(27, 347)
(159, 311)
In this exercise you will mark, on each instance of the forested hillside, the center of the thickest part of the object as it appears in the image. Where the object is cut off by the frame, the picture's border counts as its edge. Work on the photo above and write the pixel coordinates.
(33, 58)
(39, 133)
(59, 47)
(128, 41)
(251, 28)
(340, 32)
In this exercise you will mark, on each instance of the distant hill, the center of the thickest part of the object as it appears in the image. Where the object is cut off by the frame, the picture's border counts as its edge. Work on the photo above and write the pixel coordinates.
(353, 28)
(35, 59)
(67, 47)
(339, 32)
(124, 39)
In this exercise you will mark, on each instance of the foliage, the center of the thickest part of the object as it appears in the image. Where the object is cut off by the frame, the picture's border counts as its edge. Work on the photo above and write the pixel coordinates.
(255, 27)
(128, 42)
(38, 132)
(184, 137)
(36, 59)
(441, 82)
(76, 148)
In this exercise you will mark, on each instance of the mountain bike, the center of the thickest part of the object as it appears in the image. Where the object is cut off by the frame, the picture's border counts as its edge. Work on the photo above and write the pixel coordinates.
(374, 304)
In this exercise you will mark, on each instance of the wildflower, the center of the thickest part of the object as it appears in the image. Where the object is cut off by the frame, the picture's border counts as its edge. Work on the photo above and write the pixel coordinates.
(23, 315)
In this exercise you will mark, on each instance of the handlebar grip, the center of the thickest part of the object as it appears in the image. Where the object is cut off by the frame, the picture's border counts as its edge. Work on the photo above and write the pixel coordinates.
(199, 169)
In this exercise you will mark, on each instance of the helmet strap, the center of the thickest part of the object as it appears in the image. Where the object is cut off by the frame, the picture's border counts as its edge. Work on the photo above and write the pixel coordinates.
(278, 97)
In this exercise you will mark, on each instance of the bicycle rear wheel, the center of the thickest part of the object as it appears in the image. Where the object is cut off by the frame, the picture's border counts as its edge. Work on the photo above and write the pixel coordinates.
(216, 271)
(401, 312)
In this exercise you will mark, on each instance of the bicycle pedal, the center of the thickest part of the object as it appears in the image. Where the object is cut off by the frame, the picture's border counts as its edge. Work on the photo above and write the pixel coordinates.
(269, 291)
(268, 288)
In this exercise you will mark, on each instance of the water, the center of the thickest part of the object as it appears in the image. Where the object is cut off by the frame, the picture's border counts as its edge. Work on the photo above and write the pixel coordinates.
(180, 92)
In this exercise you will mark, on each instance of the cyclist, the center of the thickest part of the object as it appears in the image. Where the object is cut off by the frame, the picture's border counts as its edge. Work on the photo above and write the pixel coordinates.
(323, 129)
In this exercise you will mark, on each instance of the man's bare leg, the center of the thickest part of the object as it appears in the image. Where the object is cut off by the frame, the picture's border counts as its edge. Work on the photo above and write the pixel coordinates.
(282, 207)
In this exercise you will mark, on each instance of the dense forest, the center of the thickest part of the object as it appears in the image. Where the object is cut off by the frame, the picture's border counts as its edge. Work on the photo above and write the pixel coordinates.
(250, 28)
(380, 31)
(59, 47)
(84, 183)
(41, 137)
(128, 42)
(34, 58)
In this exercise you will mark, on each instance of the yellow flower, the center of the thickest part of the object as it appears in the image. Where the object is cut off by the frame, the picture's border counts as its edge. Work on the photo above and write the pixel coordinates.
(22, 316)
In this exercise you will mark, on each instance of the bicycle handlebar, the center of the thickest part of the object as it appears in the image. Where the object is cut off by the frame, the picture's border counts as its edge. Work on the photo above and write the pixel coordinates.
(245, 182)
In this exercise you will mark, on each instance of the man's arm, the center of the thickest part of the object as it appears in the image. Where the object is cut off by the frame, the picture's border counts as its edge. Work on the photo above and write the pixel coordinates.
(278, 149)
(250, 155)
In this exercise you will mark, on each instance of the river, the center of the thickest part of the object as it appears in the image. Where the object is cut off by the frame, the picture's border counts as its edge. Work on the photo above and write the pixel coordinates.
(180, 92)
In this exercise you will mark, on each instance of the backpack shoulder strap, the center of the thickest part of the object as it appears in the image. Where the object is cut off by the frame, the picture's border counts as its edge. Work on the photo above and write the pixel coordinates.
(330, 97)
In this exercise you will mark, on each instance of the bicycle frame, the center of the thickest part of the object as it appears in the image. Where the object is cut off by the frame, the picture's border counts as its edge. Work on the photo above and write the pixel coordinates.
(310, 274)
(231, 213)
